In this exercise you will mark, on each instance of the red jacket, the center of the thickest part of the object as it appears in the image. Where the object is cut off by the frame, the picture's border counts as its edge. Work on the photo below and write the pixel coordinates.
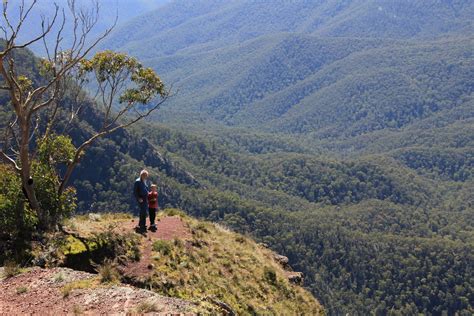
(153, 199)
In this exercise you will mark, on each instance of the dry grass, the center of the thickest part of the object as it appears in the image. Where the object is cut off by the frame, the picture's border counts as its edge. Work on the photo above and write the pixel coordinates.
(82, 284)
(216, 263)
(10, 269)
(108, 272)
(21, 289)
(146, 307)
(77, 310)
(230, 267)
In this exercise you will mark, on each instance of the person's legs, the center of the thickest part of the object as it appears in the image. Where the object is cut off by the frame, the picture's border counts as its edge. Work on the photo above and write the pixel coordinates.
(152, 212)
(142, 222)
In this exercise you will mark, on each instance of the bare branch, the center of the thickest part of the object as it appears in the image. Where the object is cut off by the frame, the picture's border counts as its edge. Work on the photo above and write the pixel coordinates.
(5, 158)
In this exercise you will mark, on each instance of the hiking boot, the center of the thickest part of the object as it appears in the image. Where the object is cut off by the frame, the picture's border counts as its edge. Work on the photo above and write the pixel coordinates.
(152, 228)
(140, 230)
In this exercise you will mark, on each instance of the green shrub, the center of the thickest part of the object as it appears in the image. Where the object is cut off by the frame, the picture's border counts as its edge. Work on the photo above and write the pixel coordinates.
(163, 247)
(21, 289)
(269, 275)
(15, 214)
(14, 211)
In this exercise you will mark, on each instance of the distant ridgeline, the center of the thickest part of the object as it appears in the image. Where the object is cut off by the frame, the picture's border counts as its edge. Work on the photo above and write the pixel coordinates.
(341, 137)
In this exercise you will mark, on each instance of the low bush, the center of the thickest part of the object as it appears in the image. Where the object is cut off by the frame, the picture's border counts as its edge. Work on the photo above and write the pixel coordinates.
(269, 275)
(108, 272)
(163, 247)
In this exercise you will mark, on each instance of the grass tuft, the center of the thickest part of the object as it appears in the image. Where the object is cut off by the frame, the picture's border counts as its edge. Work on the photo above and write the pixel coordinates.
(146, 307)
(77, 310)
(82, 284)
(11, 269)
(58, 278)
(108, 272)
(162, 246)
(21, 289)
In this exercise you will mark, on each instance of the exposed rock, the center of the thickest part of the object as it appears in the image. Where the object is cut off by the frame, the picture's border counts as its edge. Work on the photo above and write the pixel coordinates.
(282, 260)
(226, 309)
(95, 217)
(296, 278)
(293, 277)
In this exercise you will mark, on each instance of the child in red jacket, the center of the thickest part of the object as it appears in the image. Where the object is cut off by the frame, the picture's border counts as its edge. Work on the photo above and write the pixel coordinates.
(153, 206)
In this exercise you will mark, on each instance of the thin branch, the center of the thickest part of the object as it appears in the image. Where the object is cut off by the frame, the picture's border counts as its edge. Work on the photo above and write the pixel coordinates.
(9, 160)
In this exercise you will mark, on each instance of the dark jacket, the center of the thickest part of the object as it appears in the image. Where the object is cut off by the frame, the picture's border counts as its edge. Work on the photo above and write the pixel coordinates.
(140, 190)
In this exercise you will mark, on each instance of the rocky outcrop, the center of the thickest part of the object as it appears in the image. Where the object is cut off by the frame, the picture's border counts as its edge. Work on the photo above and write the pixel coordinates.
(293, 277)
(296, 278)
(282, 260)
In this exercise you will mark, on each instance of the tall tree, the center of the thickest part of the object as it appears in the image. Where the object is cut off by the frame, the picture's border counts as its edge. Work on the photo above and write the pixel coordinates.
(126, 91)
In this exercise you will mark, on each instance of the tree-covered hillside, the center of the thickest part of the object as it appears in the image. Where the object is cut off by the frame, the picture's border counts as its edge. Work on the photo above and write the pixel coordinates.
(195, 25)
(371, 235)
(333, 70)
(339, 133)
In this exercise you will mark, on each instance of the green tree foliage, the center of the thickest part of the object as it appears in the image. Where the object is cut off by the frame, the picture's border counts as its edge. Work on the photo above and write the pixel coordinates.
(16, 213)
(12, 204)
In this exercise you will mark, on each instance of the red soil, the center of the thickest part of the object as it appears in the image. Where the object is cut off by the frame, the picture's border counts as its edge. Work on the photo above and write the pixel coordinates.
(168, 228)
(39, 292)
(43, 290)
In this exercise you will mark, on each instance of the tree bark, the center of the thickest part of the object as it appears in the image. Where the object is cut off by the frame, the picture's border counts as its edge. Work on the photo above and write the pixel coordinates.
(26, 177)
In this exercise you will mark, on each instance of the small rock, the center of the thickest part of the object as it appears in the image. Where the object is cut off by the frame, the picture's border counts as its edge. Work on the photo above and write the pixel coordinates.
(151, 266)
(296, 278)
(282, 260)
(95, 217)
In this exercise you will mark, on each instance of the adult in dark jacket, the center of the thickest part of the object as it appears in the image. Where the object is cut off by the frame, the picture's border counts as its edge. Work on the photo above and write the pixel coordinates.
(140, 191)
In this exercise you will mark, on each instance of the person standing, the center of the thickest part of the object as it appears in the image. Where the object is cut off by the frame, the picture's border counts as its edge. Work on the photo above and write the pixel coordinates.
(153, 206)
(140, 191)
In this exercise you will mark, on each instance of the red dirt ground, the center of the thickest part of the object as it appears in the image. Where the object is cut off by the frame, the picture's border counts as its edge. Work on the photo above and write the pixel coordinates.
(168, 228)
(38, 292)
(43, 295)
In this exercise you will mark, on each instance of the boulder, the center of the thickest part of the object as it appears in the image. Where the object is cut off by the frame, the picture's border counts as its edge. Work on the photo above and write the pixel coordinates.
(282, 260)
(296, 278)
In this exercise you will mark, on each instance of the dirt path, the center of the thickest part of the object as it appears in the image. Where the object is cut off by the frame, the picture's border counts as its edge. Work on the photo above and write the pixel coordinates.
(41, 292)
(168, 228)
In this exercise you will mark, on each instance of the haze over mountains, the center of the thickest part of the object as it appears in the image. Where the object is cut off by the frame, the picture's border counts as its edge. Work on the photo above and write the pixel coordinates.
(339, 132)
(326, 68)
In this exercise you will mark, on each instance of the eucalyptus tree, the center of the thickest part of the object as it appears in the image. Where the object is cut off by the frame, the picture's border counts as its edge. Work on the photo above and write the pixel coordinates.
(126, 92)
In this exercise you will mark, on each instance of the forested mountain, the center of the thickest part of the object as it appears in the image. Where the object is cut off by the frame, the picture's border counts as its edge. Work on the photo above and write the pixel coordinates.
(336, 69)
(203, 24)
(281, 91)
(340, 133)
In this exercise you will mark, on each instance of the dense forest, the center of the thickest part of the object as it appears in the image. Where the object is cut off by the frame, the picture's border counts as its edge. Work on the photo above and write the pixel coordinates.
(351, 154)
(364, 232)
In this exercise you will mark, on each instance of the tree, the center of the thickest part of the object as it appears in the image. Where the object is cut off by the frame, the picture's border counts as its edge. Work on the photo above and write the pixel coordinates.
(124, 90)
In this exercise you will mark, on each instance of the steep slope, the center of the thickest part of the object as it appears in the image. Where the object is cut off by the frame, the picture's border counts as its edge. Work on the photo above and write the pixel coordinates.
(201, 262)
(326, 87)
